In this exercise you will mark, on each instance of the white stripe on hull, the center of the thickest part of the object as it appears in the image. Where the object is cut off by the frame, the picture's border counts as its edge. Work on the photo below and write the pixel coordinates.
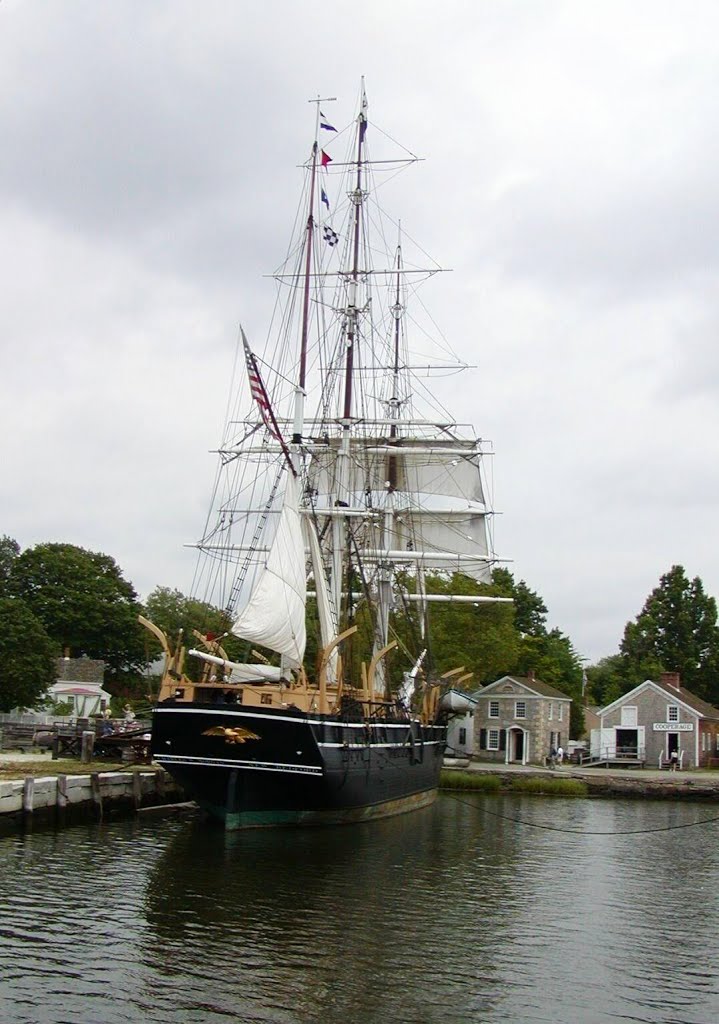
(175, 710)
(218, 762)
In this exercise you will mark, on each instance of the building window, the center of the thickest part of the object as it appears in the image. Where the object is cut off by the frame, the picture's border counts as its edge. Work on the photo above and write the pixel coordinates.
(494, 709)
(672, 712)
(520, 709)
(493, 739)
(462, 735)
(266, 698)
(718, 741)
(560, 716)
(551, 711)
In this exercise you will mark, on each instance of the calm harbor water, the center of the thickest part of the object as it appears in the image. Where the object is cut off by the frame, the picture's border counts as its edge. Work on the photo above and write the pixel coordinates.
(451, 914)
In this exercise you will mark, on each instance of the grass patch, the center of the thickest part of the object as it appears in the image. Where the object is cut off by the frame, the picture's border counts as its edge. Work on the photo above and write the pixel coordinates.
(549, 787)
(544, 786)
(451, 779)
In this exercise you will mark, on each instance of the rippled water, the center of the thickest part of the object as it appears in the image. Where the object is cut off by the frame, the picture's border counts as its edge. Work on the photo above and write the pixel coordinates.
(450, 914)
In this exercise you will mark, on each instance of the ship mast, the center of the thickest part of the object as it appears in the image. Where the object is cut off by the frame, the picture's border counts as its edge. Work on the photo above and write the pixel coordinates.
(300, 389)
(300, 392)
(385, 569)
(351, 318)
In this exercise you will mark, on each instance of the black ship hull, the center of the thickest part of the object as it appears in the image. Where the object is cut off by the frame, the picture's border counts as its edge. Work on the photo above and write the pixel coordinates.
(253, 767)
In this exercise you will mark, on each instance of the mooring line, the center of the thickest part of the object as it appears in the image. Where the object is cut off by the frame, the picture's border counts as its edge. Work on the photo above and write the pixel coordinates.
(581, 832)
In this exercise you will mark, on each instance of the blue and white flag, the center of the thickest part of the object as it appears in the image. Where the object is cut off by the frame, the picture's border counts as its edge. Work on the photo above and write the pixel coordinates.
(324, 198)
(330, 236)
(324, 123)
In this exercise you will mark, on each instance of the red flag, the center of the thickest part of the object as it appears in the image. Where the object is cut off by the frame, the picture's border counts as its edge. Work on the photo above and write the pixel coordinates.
(326, 159)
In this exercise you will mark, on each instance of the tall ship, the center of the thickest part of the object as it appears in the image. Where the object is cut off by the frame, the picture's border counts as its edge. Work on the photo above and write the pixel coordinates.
(344, 494)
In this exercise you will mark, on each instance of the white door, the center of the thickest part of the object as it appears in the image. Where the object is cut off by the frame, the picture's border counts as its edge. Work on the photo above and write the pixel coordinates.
(629, 717)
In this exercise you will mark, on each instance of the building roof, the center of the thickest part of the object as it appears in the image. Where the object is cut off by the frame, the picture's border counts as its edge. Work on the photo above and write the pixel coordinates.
(533, 685)
(675, 693)
(696, 703)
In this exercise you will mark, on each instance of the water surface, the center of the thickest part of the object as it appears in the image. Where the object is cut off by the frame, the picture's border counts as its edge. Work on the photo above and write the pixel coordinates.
(450, 914)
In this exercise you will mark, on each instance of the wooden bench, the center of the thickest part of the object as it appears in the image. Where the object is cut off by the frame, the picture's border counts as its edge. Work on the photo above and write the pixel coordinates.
(18, 737)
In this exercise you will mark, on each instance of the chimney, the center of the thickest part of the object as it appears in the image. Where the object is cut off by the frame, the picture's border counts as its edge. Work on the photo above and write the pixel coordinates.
(671, 679)
(530, 675)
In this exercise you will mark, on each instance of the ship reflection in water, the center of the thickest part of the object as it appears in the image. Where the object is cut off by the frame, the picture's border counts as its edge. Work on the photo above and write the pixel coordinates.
(450, 914)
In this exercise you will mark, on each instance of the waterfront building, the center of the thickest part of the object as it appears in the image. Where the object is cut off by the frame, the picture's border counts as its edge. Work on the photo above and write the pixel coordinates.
(656, 719)
(519, 719)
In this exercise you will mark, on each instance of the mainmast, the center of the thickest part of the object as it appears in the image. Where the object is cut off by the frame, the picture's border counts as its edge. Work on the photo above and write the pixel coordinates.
(351, 314)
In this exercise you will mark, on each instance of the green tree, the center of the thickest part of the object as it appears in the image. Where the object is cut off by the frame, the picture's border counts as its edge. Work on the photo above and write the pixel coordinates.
(27, 656)
(676, 631)
(173, 611)
(608, 680)
(479, 636)
(83, 601)
(178, 616)
(530, 611)
(9, 550)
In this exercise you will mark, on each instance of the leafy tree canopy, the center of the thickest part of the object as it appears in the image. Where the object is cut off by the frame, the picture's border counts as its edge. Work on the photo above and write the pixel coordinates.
(179, 616)
(530, 611)
(173, 612)
(27, 656)
(83, 602)
(481, 637)
(607, 680)
(676, 631)
(9, 550)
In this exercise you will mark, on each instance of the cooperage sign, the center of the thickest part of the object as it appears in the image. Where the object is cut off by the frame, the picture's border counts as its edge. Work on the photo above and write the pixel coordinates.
(673, 727)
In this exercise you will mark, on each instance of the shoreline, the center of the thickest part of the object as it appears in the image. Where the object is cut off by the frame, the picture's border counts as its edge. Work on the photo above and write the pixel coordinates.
(73, 796)
(632, 783)
(31, 793)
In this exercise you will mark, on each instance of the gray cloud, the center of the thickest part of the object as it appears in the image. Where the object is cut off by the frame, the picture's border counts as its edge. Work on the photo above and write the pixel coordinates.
(148, 179)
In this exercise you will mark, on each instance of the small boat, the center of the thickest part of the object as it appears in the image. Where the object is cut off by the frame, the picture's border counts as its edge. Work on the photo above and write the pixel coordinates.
(337, 497)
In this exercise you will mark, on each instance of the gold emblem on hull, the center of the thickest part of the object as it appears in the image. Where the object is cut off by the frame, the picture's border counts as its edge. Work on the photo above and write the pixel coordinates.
(236, 735)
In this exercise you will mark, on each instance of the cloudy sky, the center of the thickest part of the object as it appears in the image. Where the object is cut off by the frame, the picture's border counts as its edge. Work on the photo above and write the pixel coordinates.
(148, 178)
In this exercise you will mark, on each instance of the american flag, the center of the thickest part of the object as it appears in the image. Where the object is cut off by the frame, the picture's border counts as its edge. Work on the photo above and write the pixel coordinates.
(257, 390)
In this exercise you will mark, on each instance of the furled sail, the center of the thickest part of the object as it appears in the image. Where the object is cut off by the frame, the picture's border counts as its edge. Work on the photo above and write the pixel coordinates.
(274, 616)
(326, 613)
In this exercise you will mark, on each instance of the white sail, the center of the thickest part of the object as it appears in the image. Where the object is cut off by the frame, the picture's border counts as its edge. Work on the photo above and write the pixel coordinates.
(438, 505)
(274, 616)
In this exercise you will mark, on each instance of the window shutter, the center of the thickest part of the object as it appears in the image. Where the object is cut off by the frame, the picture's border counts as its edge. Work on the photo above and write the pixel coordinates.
(502, 739)
(482, 739)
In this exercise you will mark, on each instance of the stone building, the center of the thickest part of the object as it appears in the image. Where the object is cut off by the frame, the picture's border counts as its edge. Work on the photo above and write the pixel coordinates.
(519, 719)
(653, 720)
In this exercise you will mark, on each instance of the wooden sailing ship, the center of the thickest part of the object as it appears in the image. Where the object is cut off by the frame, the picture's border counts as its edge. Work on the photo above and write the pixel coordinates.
(336, 511)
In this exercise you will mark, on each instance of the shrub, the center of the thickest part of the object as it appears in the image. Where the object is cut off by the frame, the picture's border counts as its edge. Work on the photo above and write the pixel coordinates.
(451, 779)
(549, 787)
